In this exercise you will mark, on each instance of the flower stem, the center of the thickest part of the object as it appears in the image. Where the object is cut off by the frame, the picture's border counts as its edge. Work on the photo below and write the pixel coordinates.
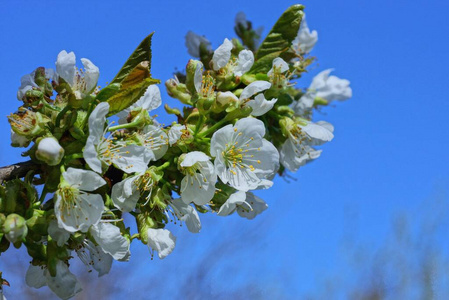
(135, 236)
(61, 115)
(213, 128)
(164, 166)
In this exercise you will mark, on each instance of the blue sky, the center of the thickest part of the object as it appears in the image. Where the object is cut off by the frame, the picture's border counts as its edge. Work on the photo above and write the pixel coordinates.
(389, 152)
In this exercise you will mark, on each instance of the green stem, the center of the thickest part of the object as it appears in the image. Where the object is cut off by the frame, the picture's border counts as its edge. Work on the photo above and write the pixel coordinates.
(44, 193)
(164, 166)
(213, 128)
(200, 123)
(135, 236)
(122, 126)
(74, 156)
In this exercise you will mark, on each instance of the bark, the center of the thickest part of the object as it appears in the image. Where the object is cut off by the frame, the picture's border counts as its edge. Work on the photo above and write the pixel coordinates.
(17, 170)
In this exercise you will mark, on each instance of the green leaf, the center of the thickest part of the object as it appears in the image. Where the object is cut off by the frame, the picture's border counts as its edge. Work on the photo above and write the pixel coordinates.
(141, 54)
(279, 39)
(126, 97)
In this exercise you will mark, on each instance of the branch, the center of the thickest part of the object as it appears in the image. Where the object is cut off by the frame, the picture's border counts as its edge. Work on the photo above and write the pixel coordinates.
(17, 170)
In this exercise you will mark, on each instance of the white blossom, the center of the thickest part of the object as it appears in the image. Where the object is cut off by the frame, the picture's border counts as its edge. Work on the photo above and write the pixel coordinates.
(64, 284)
(93, 256)
(155, 142)
(305, 40)
(126, 193)
(246, 204)
(76, 208)
(330, 87)
(198, 184)
(278, 65)
(193, 43)
(150, 100)
(82, 82)
(162, 241)
(175, 133)
(243, 158)
(100, 151)
(297, 149)
(49, 151)
(259, 104)
(187, 214)
(304, 105)
(110, 240)
(222, 56)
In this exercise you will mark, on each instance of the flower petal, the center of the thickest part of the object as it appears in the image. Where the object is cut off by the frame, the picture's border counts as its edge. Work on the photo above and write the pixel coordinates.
(260, 105)
(257, 206)
(193, 157)
(222, 55)
(197, 188)
(131, 159)
(193, 43)
(175, 133)
(245, 62)
(162, 241)
(280, 64)
(110, 239)
(230, 205)
(125, 194)
(97, 120)
(187, 214)
(91, 74)
(58, 234)
(86, 211)
(64, 284)
(83, 179)
(35, 277)
(65, 66)
(254, 88)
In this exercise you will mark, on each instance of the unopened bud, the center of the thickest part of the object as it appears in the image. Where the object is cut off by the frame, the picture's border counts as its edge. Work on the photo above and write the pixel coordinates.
(15, 228)
(49, 151)
(178, 90)
(225, 100)
(193, 75)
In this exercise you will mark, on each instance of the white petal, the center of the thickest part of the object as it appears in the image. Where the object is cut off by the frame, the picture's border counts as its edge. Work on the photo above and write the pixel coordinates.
(261, 105)
(90, 155)
(91, 74)
(193, 42)
(58, 234)
(83, 179)
(197, 189)
(18, 140)
(250, 127)
(125, 194)
(221, 137)
(257, 206)
(245, 62)
(304, 104)
(150, 100)
(65, 66)
(97, 120)
(131, 159)
(193, 157)
(268, 156)
(254, 88)
(187, 214)
(162, 241)
(278, 63)
(101, 261)
(87, 211)
(175, 133)
(230, 205)
(35, 277)
(222, 55)
(155, 141)
(110, 240)
(305, 40)
(64, 285)
(319, 134)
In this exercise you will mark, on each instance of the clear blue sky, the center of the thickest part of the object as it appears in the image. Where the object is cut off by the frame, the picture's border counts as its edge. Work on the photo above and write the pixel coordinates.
(389, 153)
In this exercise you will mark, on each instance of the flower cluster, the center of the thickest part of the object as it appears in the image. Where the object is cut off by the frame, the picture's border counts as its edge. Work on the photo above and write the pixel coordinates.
(244, 121)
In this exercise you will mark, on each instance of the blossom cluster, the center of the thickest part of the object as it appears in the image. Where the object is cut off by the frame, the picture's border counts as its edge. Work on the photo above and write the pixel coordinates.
(244, 121)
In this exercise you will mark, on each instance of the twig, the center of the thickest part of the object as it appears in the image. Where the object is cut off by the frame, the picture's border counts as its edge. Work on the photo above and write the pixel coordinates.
(17, 170)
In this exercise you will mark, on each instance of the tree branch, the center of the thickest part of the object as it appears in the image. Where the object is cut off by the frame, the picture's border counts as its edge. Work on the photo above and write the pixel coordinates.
(17, 170)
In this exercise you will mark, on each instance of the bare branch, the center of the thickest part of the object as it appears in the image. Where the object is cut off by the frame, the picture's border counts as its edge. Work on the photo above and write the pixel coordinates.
(17, 170)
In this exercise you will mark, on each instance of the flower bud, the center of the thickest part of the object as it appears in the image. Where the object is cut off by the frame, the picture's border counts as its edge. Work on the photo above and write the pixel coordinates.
(191, 70)
(27, 123)
(19, 140)
(15, 228)
(139, 118)
(225, 100)
(178, 90)
(49, 151)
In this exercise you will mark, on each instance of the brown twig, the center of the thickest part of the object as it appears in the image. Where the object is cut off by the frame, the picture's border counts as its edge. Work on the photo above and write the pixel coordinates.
(17, 170)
